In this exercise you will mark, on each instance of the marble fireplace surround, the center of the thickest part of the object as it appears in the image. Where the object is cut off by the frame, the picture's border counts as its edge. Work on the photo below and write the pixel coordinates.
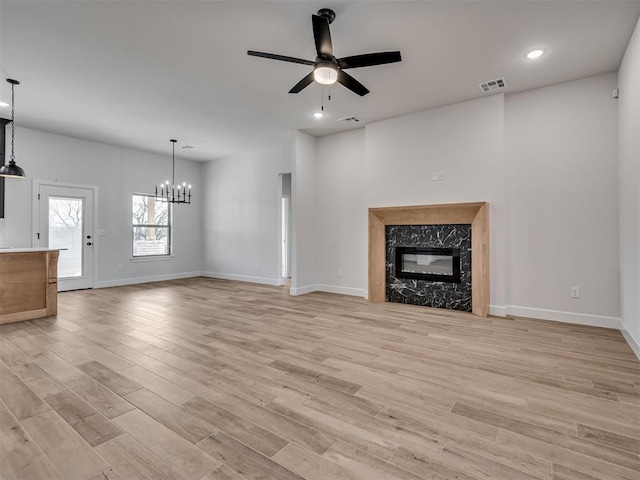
(476, 214)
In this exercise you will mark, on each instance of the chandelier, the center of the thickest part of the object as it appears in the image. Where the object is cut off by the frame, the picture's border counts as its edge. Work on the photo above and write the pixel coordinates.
(173, 193)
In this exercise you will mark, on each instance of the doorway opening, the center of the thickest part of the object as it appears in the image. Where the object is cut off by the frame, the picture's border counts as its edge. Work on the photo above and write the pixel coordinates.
(285, 229)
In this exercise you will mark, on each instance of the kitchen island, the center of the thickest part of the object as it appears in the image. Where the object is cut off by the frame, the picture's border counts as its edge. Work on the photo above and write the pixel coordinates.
(28, 283)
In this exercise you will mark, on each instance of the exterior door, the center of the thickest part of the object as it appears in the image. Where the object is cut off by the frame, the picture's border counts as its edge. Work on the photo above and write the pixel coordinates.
(66, 222)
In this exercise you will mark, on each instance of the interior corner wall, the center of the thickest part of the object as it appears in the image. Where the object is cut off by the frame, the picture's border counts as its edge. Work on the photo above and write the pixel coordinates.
(341, 214)
(562, 196)
(304, 253)
(118, 173)
(241, 218)
(462, 143)
(629, 177)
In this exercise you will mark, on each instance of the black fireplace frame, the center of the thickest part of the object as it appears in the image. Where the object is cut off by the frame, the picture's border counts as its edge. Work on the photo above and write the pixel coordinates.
(452, 252)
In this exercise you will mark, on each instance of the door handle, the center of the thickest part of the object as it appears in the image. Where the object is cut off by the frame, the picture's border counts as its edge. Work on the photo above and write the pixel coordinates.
(89, 244)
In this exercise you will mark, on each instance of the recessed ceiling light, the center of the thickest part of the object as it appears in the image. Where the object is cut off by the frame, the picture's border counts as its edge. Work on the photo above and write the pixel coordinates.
(318, 115)
(538, 52)
(4, 104)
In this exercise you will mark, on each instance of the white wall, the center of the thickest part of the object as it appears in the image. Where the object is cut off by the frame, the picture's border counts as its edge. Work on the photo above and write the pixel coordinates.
(242, 214)
(304, 251)
(341, 214)
(629, 165)
(463, 140)
(546, 162)
(118, 173)
(562, 193)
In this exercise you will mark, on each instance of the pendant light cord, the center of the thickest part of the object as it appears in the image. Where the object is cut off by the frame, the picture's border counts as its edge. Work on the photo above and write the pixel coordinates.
(13, 123)
(173, 163)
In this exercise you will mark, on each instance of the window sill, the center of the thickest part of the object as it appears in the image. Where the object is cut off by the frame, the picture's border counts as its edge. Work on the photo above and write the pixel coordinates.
(158, 258)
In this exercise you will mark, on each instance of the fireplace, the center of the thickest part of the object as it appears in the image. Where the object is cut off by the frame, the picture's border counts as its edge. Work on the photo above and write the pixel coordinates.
(424, 263)
(433, 224)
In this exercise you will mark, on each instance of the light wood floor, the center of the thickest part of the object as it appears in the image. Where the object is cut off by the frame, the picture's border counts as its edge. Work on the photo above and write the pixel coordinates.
(207, 379)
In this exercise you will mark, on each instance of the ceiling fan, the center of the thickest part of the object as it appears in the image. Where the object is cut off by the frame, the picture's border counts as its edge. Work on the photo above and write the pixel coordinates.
(328, 69)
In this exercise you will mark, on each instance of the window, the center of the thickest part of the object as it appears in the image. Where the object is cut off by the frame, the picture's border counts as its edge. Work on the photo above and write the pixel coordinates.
(151, 226)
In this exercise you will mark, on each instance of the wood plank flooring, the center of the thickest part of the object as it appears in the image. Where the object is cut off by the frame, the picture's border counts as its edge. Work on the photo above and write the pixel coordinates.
(215, 380)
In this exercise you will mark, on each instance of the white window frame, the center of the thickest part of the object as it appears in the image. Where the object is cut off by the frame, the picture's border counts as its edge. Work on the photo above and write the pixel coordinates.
(168, 226)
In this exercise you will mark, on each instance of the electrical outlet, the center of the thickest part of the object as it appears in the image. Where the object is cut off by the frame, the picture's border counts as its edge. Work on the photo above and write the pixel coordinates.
(434, 176)
(340, 272)
(575, 292)
(119, 268)
(441, 175)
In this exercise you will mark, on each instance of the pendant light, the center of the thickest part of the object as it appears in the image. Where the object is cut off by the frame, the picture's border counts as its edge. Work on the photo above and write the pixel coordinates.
(172, 193)
(12, 170)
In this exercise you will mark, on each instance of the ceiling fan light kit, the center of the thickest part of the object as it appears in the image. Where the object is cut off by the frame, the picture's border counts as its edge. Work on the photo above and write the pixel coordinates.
(327, 69)
(325, 73)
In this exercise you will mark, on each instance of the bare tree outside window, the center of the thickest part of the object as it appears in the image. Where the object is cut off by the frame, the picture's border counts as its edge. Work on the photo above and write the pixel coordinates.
(151, 226)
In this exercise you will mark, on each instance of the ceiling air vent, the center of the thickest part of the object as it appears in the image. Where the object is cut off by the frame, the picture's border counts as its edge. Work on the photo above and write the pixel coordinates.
(350, 120)
(492, 85)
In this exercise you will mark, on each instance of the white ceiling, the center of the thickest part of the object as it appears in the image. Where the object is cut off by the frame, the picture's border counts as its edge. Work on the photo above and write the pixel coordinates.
(136, 73)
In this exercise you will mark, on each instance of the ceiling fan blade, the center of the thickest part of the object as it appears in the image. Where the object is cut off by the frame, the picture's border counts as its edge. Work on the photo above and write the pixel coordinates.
(369, 59)
(282, 58)
(352, 84)
(322, 36)
(305, 82)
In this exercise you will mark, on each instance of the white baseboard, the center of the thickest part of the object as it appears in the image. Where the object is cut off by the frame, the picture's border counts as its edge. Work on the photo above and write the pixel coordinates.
(567, 317)
(498, 310)
(633, 343)
(354, 292)
(302, 290)
(152, 278)
(244, 278)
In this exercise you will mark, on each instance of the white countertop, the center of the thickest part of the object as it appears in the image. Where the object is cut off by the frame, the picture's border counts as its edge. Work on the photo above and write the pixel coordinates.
(28, 249)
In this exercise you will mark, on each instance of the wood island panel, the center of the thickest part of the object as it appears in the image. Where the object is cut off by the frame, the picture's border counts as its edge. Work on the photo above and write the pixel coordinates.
(28, 285)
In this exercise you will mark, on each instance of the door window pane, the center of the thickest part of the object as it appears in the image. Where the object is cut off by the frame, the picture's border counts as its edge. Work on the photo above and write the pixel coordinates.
(65, 233)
